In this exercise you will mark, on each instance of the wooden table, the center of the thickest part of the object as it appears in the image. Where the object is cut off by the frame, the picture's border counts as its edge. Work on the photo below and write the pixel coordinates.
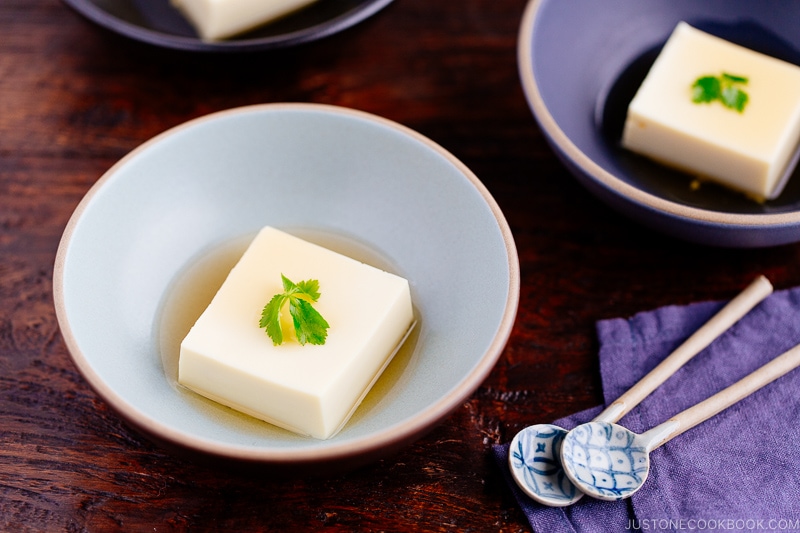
(75, 98)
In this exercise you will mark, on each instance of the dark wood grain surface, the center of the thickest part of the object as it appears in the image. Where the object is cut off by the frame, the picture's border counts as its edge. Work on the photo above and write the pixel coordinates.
(75, 98)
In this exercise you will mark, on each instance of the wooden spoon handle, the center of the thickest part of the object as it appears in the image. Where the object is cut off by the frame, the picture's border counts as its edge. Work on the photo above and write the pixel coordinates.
(726, 317)
(704, 410)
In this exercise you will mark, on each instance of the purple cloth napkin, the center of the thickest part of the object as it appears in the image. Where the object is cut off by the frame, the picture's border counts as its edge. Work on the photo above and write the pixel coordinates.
(738, 471)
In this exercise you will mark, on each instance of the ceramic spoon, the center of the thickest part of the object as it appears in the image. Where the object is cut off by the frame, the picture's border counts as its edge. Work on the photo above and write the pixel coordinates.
(534, 454)
(610, 462)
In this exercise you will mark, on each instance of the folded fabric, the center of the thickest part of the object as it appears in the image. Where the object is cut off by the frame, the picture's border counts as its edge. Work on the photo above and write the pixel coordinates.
(738, 471)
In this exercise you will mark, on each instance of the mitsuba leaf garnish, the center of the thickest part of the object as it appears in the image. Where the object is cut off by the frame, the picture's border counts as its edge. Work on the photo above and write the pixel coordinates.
(309, 326)
(725, 88)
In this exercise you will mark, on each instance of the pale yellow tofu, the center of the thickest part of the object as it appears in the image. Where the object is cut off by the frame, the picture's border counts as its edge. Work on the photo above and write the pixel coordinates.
(219, 19)
(308, 389)
(748, 150)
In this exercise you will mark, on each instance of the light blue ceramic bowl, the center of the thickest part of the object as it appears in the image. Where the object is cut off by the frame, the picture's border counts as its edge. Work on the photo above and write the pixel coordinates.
(579, 60)
(351, 180)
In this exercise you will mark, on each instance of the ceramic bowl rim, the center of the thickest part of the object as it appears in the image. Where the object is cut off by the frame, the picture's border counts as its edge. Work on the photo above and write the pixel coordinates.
(393, 435)
(106, 20)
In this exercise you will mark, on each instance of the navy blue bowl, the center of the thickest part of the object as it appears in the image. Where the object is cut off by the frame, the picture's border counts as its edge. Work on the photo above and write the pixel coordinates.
(157, 23)
(581, 62)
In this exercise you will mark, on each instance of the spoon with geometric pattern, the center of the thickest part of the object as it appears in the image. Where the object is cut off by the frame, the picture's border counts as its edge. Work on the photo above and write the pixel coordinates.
(610, 462)
(534, 454)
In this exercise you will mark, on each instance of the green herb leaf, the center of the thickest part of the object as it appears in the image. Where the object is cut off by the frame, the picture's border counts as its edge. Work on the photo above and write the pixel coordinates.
(705, 89)
(734, 78)
(271, 318)
(734, 98)
(309, 326)
(310, 288)
(725, 88)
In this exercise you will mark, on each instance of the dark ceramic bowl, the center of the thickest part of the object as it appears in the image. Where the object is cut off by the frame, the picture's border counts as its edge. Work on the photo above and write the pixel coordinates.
(156, 22)
(581, 61)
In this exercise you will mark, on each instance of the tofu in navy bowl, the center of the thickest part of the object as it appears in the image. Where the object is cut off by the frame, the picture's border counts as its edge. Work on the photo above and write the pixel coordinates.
(592, 71)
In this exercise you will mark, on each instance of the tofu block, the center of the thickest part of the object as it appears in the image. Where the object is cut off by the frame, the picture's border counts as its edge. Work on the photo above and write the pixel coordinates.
(308, 389)
(219, 19)
(748, 150)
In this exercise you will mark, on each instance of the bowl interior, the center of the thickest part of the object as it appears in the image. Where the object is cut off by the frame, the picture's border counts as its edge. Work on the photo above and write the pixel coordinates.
(590, 57)
(157, 22)
(344, 179)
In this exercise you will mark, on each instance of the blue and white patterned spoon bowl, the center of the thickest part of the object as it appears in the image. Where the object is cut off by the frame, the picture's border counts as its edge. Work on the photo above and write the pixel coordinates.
(610, 462)
(604, 460)
(534, 459)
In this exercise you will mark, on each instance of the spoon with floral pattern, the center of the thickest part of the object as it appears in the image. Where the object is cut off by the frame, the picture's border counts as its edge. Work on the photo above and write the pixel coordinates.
(535, 452)
(610, 462)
